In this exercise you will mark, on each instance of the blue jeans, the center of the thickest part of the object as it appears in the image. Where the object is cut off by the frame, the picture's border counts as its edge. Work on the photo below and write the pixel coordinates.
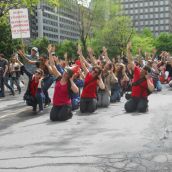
(75, 103)
(115, 93)
(16, 81)
(47, 82)
(39, 100)
(4, 81)
(158, 85)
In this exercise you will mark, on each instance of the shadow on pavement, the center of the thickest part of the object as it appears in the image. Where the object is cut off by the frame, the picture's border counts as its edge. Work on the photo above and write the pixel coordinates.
(25, 113)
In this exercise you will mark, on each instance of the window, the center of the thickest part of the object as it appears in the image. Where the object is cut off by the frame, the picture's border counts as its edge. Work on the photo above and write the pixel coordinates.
(166, 15)
(151, 22)
(141, 10)
(156, 22)
(156, 3)
(166, 27)
(161, 22)
(167, 8)
(156, 9)
(146, 4)
(161, 2)
(141, 23)
(156, 16)
(161, 15)
(151, 16)
(146, 16)
(146, 10)
(151, 3)
(162, 28)
(156, 28)
(161, 9)
(151, 9)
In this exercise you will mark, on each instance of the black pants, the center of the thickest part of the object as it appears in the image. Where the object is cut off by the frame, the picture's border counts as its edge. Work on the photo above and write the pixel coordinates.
(88, 105)
(136, 104)
(61, 113)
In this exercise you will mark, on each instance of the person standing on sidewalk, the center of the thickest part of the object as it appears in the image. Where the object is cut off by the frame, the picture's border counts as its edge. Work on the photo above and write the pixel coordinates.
(3, 76)
(34, 56)
(14, 70)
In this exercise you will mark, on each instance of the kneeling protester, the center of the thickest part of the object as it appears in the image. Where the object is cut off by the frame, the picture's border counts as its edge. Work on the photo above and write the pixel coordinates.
(142, 86)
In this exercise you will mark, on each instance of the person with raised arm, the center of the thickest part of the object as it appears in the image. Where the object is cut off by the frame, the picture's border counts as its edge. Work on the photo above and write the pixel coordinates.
(64, 86)
(34, 94)
(48, 80)
(93, 80)
(142, 84)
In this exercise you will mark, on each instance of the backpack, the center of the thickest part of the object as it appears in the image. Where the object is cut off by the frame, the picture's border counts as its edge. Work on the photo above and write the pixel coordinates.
(138, 83)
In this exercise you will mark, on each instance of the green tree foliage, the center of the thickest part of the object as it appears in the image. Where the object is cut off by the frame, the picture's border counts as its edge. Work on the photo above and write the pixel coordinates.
(67, 46)
(7, 45)
(164, 42)
(92, 18)
(41, 44)
(144, 40)
(114, 35)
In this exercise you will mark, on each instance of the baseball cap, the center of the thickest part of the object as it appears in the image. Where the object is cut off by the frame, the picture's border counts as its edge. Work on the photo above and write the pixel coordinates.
(35, 49)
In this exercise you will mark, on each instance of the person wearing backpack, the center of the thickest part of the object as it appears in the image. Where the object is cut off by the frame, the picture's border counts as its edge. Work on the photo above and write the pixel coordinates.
(142, 84)
(64, 86)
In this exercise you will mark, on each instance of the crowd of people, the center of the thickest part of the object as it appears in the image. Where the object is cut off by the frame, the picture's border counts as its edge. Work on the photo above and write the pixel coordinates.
(86, 83)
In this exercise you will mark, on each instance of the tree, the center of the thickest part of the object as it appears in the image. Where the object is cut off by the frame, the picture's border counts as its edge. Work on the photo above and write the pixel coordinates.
(6, 5)
(41, 44)
(144, 40)
(90, 18)
(67, 46)
(114, 33)
(7, 45)
(164, 42)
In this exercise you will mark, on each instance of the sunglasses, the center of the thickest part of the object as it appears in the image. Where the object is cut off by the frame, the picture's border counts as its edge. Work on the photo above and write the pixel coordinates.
(37, 72)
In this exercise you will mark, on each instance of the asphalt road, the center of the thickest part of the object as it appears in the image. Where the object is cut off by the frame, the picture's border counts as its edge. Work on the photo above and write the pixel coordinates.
(107, 141)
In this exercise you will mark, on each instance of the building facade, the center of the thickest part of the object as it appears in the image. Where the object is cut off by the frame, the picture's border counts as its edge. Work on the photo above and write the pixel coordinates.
(57, 24)
(153, 14)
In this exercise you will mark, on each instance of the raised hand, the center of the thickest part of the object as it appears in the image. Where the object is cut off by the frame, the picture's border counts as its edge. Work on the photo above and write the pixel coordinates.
(104, 49)
(65, 55)
(90, 51)
(21, 53)
(46, 62)
(79, 52)
(51, 48)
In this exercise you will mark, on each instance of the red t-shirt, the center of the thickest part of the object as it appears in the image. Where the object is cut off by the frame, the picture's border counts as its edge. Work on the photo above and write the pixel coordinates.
(61, 95)
(90, 87)
(33, 87)
(141, 89)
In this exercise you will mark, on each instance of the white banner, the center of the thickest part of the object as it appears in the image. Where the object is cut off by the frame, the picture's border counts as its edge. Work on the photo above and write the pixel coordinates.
(19, 23)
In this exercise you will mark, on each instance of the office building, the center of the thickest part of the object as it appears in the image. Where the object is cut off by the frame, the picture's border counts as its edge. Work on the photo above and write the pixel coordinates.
(57, 24)
(153, 14)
